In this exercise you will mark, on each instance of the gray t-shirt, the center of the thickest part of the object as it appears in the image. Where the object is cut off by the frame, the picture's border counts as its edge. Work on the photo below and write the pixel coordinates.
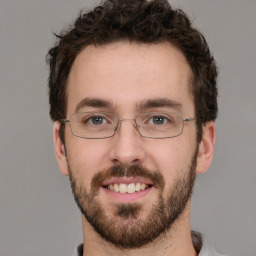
(206, 250)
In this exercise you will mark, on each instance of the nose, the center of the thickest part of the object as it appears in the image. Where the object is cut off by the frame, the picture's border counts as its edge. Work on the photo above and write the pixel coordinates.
(127, 148)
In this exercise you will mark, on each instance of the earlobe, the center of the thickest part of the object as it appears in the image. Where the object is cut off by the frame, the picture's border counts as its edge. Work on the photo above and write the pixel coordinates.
(206, 148)
(60, 149)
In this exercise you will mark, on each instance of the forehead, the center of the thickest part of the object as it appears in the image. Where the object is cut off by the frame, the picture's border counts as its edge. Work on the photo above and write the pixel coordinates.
(127, 74)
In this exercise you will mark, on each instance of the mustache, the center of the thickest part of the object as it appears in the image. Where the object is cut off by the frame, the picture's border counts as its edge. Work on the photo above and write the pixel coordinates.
(131, 171)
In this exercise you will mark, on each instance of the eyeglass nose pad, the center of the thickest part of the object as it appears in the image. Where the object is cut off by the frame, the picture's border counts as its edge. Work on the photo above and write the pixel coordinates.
(136, 126)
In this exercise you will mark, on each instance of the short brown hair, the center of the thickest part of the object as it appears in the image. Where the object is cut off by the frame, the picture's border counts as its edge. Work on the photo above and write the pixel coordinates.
(138, 21)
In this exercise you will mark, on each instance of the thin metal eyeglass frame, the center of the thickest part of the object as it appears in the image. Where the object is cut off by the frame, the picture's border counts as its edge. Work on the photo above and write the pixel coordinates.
(184, 119)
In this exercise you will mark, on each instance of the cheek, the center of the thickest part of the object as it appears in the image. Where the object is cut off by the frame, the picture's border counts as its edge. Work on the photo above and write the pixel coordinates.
(171, 157)
(86, 157)
(166, 158)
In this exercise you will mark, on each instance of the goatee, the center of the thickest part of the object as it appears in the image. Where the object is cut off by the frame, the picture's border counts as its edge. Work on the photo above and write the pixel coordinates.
(125, 227)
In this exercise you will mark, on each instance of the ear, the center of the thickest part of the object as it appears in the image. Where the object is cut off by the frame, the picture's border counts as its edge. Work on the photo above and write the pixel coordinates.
(206, 148)
(60, 149)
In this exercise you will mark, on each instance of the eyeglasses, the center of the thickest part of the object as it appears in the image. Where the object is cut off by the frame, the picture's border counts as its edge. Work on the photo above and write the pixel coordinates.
(101, 125)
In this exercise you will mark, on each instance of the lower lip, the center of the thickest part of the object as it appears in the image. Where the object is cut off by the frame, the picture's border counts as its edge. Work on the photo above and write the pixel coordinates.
(127, 197)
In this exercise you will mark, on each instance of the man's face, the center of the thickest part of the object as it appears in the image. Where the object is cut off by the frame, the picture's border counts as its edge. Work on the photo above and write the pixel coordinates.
(126, 80)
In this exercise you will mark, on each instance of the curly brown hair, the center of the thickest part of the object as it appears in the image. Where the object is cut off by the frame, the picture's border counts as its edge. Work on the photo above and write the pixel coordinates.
(139, 21)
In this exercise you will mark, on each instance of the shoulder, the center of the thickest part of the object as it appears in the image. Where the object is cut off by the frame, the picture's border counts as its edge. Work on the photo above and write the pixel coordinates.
(202, 246)
(208, 250)
(78, 250)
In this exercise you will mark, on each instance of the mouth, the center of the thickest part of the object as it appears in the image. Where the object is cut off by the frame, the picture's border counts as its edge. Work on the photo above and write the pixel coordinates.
(127, 188)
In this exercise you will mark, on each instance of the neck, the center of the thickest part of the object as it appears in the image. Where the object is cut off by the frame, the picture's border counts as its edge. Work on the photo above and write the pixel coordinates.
(176, 241)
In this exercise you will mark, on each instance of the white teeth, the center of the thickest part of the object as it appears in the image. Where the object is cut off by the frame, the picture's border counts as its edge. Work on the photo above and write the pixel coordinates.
(123, 188)
(127, 188)
(137, 187)
(116, 188)
(131, 188)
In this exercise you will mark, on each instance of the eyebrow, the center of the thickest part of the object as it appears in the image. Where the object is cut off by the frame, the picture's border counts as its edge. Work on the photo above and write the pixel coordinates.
(144, 105)
(160, 103)
(94, 102)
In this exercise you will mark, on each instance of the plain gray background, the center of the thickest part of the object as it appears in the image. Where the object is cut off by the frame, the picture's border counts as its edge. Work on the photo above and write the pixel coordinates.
(38, 216)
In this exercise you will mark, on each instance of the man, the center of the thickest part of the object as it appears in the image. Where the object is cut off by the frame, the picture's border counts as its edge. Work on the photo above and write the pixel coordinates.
(133, 93)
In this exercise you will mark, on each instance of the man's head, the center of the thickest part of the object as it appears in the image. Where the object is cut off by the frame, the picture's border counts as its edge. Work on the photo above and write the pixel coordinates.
(141, 22)
(124, 61)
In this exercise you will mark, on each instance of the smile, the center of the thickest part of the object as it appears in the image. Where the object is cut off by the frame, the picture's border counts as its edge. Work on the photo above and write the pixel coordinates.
(127, 188)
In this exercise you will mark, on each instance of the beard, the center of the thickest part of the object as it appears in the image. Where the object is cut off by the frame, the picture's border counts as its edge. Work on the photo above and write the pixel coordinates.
(125, 228)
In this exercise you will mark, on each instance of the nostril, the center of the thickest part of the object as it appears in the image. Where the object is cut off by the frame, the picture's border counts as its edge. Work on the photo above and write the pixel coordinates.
(116, 162)
(136, 161)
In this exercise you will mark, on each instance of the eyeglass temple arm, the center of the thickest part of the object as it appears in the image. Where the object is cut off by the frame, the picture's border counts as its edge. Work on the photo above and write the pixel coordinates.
(63, 121)
(188, 119)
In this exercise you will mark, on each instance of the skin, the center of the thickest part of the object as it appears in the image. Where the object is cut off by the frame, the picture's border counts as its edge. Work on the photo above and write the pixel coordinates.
(127, 74)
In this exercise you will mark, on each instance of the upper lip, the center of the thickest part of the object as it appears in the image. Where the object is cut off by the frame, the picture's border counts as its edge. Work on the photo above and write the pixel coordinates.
(125, 180)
